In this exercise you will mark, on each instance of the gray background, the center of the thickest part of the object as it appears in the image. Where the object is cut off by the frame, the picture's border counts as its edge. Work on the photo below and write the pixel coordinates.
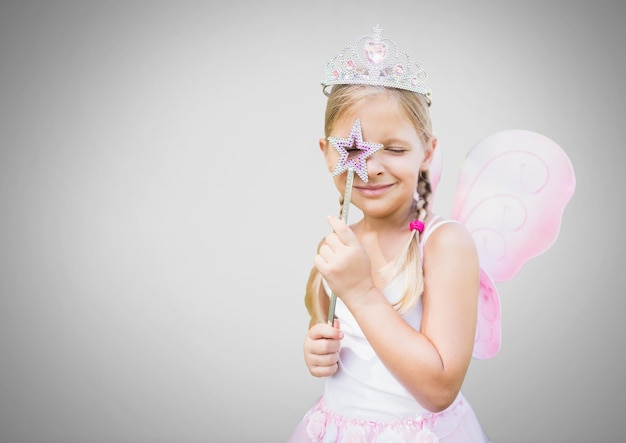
(162, 195)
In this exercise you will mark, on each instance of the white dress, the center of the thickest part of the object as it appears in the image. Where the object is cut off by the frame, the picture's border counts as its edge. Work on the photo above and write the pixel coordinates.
(363, 402)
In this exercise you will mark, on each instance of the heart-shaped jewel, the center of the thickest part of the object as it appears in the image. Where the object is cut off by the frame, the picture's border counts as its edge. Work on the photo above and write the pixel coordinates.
(375, 51)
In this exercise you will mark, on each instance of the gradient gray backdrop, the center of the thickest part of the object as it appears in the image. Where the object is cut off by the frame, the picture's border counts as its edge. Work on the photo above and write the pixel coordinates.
(162, 195)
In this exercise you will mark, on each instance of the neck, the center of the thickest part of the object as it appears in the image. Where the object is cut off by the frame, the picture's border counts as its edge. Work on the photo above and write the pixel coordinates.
(384, 240)
(387, 225)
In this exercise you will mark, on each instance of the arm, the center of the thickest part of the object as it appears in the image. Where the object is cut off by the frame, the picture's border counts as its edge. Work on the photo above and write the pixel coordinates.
(431, 364)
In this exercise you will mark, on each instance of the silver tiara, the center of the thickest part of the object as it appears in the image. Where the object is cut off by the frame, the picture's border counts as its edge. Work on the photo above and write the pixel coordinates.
(376, 60)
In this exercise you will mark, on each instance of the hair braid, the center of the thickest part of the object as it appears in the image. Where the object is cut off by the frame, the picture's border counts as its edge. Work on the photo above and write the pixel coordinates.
(411, 262)
(424, 190)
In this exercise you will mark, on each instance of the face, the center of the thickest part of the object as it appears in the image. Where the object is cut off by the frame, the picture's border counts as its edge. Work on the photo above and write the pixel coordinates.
(393, 171)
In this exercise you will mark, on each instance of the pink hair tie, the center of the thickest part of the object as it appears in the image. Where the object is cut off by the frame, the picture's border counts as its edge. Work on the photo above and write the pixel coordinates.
(417, 224)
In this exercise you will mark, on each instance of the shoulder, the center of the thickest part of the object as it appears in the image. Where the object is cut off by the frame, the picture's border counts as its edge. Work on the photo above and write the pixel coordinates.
(451, 266)
(449, 237)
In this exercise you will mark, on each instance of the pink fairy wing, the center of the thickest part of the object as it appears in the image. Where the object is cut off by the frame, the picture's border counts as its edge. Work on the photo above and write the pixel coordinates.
(511, 194)
(488, 332)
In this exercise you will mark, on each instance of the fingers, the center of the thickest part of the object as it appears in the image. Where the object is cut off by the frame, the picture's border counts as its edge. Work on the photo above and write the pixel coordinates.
(333, 242)
(321, 349)
(341, 236)
(325, 331)
(323, 365)
(344, 233)
(327, 251)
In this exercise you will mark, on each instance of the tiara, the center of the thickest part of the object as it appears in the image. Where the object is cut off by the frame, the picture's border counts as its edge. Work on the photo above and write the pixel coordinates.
(376, 60)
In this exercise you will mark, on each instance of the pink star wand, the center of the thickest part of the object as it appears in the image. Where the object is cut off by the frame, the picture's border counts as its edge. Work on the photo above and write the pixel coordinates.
(346, 147)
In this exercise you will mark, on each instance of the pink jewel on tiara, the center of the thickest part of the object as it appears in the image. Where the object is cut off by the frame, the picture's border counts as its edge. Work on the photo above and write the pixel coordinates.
(375, 51)
(417, 225)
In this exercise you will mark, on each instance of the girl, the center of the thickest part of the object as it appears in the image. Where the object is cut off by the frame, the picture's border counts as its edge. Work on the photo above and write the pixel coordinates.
(406, 280)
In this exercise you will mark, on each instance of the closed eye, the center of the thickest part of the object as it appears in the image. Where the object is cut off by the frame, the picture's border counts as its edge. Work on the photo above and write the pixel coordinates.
(395, 149)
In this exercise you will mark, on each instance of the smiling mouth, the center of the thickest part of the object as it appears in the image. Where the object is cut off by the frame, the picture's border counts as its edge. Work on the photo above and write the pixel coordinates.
(373, 190)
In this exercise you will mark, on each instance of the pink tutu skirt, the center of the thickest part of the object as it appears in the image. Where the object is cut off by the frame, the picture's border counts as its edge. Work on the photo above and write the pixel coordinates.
(456, 424)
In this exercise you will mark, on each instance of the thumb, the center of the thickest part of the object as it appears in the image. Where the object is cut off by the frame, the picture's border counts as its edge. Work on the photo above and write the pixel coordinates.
(337, 326)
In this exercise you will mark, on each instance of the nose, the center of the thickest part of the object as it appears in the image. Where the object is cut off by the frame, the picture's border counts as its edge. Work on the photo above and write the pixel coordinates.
(374, 165)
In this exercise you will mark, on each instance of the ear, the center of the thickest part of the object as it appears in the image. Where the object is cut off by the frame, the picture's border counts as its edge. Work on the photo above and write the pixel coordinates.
(323, 144)
(429, 153)
(324, 148)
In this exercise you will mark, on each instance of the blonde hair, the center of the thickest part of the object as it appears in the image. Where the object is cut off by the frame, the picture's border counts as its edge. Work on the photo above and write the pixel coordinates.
(341, 99)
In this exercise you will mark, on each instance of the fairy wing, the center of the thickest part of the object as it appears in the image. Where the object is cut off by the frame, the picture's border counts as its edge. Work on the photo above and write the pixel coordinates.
(512, 190)
(488, 332)
(511, 194)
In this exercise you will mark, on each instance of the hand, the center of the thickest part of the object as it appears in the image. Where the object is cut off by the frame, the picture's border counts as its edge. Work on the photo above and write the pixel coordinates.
(321, 348)
(344, 263)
